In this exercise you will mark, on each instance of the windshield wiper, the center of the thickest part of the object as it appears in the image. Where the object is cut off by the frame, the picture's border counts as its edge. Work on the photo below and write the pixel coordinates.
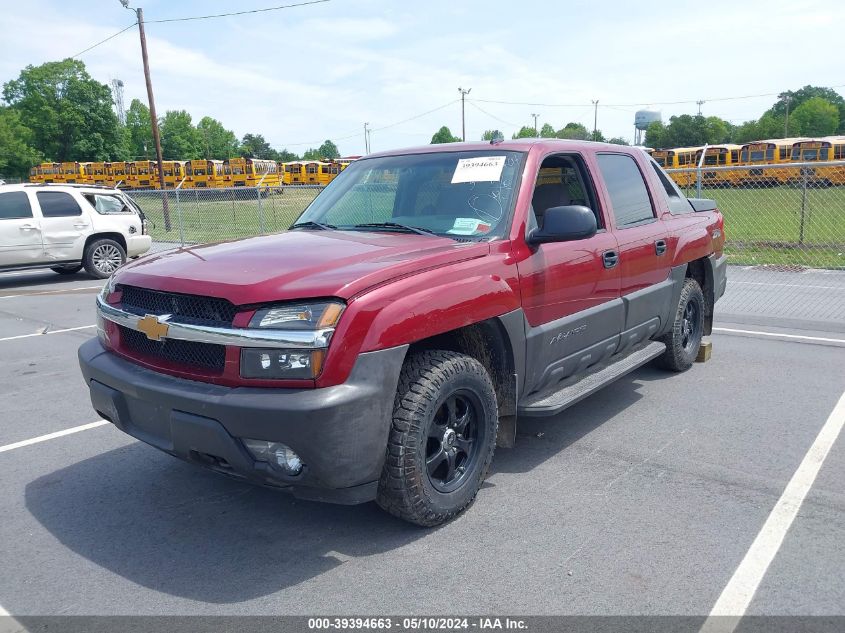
(395, 226)
(310, 224)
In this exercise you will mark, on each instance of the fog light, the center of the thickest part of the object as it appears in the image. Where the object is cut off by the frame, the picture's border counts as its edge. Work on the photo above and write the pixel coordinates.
(276, 454)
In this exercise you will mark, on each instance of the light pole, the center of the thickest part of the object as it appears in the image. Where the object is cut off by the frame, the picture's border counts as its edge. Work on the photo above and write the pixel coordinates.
(786, 98)
(595, 118)
(464, 93)
(366, 139)
(536, 133)
(139, 13)
(699, 103)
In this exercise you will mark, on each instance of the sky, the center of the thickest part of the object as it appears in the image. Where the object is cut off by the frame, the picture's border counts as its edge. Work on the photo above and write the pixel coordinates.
(305, 74)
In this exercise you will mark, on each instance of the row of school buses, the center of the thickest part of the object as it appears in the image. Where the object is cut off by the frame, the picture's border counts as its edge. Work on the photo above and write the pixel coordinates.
(785, 161)
(191, 174)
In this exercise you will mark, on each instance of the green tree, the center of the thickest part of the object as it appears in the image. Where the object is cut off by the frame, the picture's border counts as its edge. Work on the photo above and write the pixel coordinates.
(526, 131)
(215, 140)
(180, 140)
(798, 97)
(444, 135)
(618, 140)
(489, 135)
(254, 146)
(575, 131)
(311, 154)
(655, 135)
(16, 152)
(285, 156)
(69, 113)
(328, 150)
(547, 131)
(139, 131)
(815, 117)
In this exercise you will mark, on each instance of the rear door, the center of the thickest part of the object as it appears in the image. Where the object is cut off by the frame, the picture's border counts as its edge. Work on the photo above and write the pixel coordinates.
(64, 226)
(644, 260)
(20, 231)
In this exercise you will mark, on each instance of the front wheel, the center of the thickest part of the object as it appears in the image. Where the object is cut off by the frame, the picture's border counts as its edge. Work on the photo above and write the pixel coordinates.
(684, 339)
(441, 438)
(103, 257)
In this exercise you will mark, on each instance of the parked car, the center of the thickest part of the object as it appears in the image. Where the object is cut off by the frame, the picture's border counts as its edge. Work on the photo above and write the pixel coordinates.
(425, 301)
(68, 227)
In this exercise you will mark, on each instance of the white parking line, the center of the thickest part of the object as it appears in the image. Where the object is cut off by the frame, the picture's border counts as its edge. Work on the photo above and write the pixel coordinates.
(49, 292)
(801, 337)
(67, 329)
(740, 590)
(762, 283)
(52, 436)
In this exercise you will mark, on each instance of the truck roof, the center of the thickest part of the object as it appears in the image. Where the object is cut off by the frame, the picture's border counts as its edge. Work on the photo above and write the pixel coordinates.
(516, 145)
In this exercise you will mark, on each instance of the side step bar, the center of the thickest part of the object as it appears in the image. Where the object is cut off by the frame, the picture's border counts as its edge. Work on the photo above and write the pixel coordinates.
(546, 403)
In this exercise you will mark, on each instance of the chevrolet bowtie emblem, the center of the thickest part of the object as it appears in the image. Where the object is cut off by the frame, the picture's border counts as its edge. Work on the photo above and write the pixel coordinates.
(154, 327)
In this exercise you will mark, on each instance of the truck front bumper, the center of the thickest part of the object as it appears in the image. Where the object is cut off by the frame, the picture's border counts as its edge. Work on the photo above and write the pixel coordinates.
(340, 432)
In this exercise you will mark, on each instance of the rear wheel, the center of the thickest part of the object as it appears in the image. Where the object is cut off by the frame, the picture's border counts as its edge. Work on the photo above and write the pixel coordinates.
(684, 339)
(67, 270)
(103, 257)
(441, 439)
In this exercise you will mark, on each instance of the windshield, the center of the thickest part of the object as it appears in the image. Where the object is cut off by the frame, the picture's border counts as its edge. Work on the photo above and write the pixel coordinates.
(455, 194)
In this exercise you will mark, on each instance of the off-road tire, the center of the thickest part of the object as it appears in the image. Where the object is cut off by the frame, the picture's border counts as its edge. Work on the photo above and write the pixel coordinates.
(66, 270)
(428, 379)
(678, 356)
(94, 266)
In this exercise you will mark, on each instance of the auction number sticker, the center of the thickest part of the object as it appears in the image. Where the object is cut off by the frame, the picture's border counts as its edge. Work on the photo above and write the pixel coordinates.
(481, 169)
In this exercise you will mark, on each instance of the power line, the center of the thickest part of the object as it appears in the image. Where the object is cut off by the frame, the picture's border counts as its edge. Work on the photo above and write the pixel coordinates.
(418, 116)
(632, 105)
(492, 116)
(110, 37)
(225, 15)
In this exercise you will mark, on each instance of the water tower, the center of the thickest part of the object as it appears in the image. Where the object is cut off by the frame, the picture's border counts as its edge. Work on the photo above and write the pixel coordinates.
(642, 119)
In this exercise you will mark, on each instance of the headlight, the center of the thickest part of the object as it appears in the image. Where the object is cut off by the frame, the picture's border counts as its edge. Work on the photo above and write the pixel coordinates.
(300, 316)
(281, 364)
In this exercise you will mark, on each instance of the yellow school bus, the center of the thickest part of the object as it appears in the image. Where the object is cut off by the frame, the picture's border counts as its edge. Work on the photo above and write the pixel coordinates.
(45, 172)
(71, 173)
(249, 172)
(294, 173)
(678, 158)
(119, 171)
(312, 172)
(719, 156)
(174, 171)
(99, 174)
(141, 174)
(759, 154)
(328, 172)
(820, 150)
(204, 174)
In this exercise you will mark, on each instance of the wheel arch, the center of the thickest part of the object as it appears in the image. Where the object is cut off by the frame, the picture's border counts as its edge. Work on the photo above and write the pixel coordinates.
(702, 271)
(106, 235)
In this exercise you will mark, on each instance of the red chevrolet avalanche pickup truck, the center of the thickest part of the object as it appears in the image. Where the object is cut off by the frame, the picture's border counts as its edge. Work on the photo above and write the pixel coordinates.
(423, 302)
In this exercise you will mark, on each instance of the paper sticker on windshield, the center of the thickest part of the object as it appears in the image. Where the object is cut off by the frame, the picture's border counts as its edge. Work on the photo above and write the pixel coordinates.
(481, 169)
(468, 226)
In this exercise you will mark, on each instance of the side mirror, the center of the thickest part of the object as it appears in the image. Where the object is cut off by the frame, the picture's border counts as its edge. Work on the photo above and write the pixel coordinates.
(565, 224)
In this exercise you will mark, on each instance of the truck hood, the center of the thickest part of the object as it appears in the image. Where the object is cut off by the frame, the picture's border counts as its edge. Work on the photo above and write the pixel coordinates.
(295, 265)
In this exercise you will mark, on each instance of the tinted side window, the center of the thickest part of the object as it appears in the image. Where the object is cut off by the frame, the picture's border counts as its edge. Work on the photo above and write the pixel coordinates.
(57, 204)
(627, 189)
(676, 200)
(14, 204)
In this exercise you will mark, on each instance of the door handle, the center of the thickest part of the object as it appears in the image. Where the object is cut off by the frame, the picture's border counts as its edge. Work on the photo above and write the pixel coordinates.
(660, 247)
(28, 227)
(610, 258)
(80, 226)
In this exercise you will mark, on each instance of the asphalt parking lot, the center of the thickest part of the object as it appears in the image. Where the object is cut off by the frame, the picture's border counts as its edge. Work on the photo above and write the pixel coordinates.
(642, 499)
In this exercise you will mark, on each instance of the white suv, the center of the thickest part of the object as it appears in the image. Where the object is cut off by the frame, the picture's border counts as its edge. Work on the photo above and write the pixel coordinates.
(66, 227)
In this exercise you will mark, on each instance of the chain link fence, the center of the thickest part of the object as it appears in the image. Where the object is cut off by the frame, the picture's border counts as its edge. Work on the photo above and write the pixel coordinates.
(784, 224)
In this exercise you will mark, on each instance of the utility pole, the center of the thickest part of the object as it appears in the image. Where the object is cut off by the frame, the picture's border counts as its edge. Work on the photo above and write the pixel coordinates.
(464, 93)
(366, 139)
(536, 133)
(139, 13)
(700, 103)
(787, 99)
(595, 118)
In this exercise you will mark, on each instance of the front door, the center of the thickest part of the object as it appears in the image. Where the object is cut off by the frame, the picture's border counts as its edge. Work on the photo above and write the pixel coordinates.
(20, 232)
(570, 290)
